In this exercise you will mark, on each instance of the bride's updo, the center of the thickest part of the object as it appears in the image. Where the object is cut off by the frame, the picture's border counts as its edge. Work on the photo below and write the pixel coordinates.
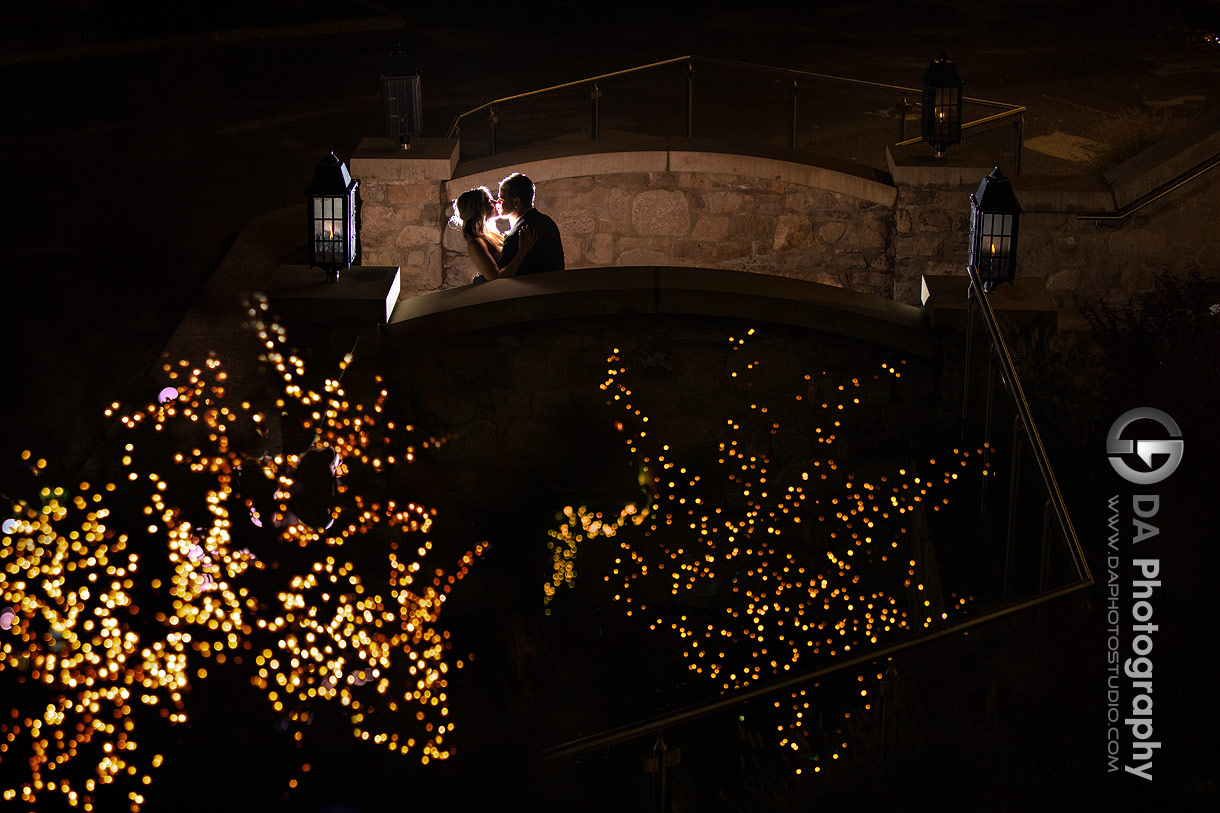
(471, 211)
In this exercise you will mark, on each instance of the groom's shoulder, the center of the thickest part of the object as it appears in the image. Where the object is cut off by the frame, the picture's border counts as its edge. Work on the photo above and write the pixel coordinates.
(539, 217)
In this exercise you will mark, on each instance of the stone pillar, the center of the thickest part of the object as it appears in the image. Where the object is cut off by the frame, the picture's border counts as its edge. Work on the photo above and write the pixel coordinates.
(931, 214)
(403, 208)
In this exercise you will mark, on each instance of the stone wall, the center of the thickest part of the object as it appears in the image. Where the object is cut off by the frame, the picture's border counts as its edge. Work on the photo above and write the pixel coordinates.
(713, 220)
(402, 208)
(684, 203)
(931, 235)
(1081, 257)
(399, 226)
(1085, 259)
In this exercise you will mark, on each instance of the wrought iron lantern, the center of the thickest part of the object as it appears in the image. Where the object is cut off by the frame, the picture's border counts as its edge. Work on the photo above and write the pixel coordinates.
(330, 203)
(403, 105)
(994, 218)
(942, 105)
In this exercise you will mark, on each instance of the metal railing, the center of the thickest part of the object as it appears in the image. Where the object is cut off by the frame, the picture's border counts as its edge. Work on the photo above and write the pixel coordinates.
(1157, 194)
(1024, 428)
(773, 113)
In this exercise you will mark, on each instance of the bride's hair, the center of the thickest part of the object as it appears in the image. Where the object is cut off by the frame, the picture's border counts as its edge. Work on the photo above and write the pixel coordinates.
(470, 212)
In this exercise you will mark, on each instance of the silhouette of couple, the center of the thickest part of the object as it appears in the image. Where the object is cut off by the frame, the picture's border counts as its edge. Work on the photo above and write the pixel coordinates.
(532, 244)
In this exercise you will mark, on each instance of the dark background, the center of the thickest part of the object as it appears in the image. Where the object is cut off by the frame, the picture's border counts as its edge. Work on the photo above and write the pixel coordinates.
(138, 144)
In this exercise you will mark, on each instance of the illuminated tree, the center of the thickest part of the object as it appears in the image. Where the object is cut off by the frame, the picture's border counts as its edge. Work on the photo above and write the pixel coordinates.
(292, 564)
(751, 574)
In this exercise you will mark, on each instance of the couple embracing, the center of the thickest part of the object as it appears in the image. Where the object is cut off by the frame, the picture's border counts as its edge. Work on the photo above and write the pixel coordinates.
(531, 246)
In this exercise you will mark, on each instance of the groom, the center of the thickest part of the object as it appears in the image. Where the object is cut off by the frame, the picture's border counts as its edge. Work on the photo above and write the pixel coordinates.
(517, 199)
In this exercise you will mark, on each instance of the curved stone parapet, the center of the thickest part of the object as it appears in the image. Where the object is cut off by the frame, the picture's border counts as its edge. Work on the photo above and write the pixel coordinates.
(661, 290)
(647, 201)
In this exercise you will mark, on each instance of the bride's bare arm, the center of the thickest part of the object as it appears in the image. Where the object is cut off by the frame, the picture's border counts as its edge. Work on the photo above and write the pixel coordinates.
(482, 258)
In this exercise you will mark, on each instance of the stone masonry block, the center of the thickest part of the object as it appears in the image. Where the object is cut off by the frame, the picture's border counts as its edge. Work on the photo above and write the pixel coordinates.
(661, 211)
(830, 233)
(601, 249)
(576, 222)
(377, 226)
(752, 227)
(934, 220)
(792, 232)
(373, 193)
(620, 205)
(711, 228)
(903, 221)
(418, 236)
(721, 201)
(411, 194)
(434, 271)
(865, 235)
(573, 251)
(453, 240)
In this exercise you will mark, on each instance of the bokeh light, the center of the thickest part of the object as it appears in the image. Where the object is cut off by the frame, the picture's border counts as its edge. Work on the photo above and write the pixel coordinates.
(214, 546)
(752, 573)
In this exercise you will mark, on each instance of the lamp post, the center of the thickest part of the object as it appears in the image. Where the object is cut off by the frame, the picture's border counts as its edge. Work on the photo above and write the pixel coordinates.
(942, 105)
(994, 217)
(403, 105)
(330, 205)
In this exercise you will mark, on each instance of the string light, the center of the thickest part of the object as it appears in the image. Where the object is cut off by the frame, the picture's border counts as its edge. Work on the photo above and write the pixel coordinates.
(805, 568)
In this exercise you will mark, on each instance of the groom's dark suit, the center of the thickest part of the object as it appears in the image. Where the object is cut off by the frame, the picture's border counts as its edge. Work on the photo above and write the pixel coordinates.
(547, 252)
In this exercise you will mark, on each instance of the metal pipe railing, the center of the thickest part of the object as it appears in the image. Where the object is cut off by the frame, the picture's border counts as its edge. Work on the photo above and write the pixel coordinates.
(453, 128)
(1025, 415)
(1007, 110)
(1017, 111)
(1207, 166)
(655, 725)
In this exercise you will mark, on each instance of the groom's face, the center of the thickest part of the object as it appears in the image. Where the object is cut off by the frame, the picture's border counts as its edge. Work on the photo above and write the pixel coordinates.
(509, 205)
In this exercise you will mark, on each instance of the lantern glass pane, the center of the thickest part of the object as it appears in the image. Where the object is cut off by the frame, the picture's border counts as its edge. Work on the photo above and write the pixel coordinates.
(329, 229)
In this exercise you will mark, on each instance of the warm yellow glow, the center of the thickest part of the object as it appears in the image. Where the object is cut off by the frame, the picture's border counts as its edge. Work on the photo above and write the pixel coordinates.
(71, 582)
(800, 566)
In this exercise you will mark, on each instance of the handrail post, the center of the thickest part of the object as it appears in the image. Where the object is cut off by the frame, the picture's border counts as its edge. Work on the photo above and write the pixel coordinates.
(1045, 574)
(492, 120)
(1014, 493)
(796, 89)
(966, 365)
(690, 99)
(597, 95)
(903, 106)
(663, 757)
(987, 426)
(1020, 140)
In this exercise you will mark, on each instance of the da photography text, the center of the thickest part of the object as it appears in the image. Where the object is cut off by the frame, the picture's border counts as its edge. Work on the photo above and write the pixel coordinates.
(1144, 447)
